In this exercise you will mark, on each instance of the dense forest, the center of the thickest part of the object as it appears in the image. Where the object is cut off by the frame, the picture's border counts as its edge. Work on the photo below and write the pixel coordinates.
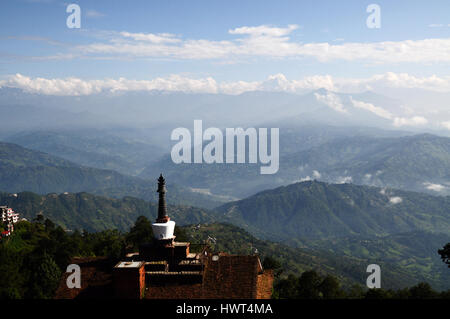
(38, 251)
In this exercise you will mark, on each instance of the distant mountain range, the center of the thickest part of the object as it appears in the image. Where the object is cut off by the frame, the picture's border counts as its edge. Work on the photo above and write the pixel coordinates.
(418, 163)
(90, 162)
(24, 110)
(93, 148)
(22, 169)
(324, 135)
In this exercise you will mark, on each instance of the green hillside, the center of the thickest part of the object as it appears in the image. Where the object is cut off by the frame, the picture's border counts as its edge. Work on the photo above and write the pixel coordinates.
(22, 169)
(95, 213)
(406, 259)
(348, 268)
(317, 210)
(415, 252)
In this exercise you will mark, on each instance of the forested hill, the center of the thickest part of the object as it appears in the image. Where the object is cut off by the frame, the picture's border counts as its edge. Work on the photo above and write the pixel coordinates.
(406, 259)
(95, 213)
(22, 169)
(317, 210)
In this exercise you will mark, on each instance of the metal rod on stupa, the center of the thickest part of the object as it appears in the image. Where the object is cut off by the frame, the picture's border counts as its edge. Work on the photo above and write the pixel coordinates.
(162, 207)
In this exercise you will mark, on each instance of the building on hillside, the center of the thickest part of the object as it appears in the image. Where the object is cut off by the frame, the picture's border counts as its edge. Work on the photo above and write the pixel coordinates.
(169, 269)
(9, 217)
(5, 233)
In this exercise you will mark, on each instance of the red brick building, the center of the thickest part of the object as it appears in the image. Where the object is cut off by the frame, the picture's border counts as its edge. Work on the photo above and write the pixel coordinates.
(167, 269)
(129, 279)
(171, 271)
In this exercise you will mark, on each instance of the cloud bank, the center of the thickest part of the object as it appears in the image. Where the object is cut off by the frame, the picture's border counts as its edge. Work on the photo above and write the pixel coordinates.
(267, 41)
(73, 86)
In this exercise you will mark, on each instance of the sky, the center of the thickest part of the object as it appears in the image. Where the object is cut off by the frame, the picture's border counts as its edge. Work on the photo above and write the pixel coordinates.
(224, 46)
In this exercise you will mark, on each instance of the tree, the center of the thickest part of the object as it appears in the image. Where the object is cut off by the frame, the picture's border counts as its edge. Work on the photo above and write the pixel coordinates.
(356, 291)
(49, 225)
(109, 243)
(377, 293)
(45, 278)
(331, 288)
(140, 233)
(445, 254)
(39, 218)
(273, 264)
(286, 288)
(180, 234)
(309, 285)
(422, 290)
(11, 278)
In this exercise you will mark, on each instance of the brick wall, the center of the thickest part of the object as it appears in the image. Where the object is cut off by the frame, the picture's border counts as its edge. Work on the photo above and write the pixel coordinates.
(129, 283)
(264, 285)
(230, 277)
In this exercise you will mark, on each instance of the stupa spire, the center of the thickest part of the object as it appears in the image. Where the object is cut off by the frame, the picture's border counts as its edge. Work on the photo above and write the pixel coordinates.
(162, 207)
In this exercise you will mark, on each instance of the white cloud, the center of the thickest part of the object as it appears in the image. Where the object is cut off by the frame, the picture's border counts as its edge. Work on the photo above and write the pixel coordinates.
(412, 121)
(434, 187)
(397, 121)
(316, 174)
(372, 108)
(305, 179)
(344, 180)
(394, 80)
(264, 30)
(76, 86)
(395, 200)
(276, 82)
(239, 87)
(446, 124)
(331, 100)
(150, 37)
(279, 82)
(269, 41)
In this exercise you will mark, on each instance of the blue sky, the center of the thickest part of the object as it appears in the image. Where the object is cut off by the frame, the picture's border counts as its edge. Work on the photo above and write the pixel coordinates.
(220, 40)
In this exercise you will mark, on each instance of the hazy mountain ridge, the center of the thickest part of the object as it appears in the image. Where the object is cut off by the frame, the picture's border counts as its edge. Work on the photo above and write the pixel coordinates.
(91, 148)
(160, 108)
(22, 169)
(411, 162)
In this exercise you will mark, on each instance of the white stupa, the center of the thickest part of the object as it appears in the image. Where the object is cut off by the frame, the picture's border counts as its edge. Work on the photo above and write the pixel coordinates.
(164, 227)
